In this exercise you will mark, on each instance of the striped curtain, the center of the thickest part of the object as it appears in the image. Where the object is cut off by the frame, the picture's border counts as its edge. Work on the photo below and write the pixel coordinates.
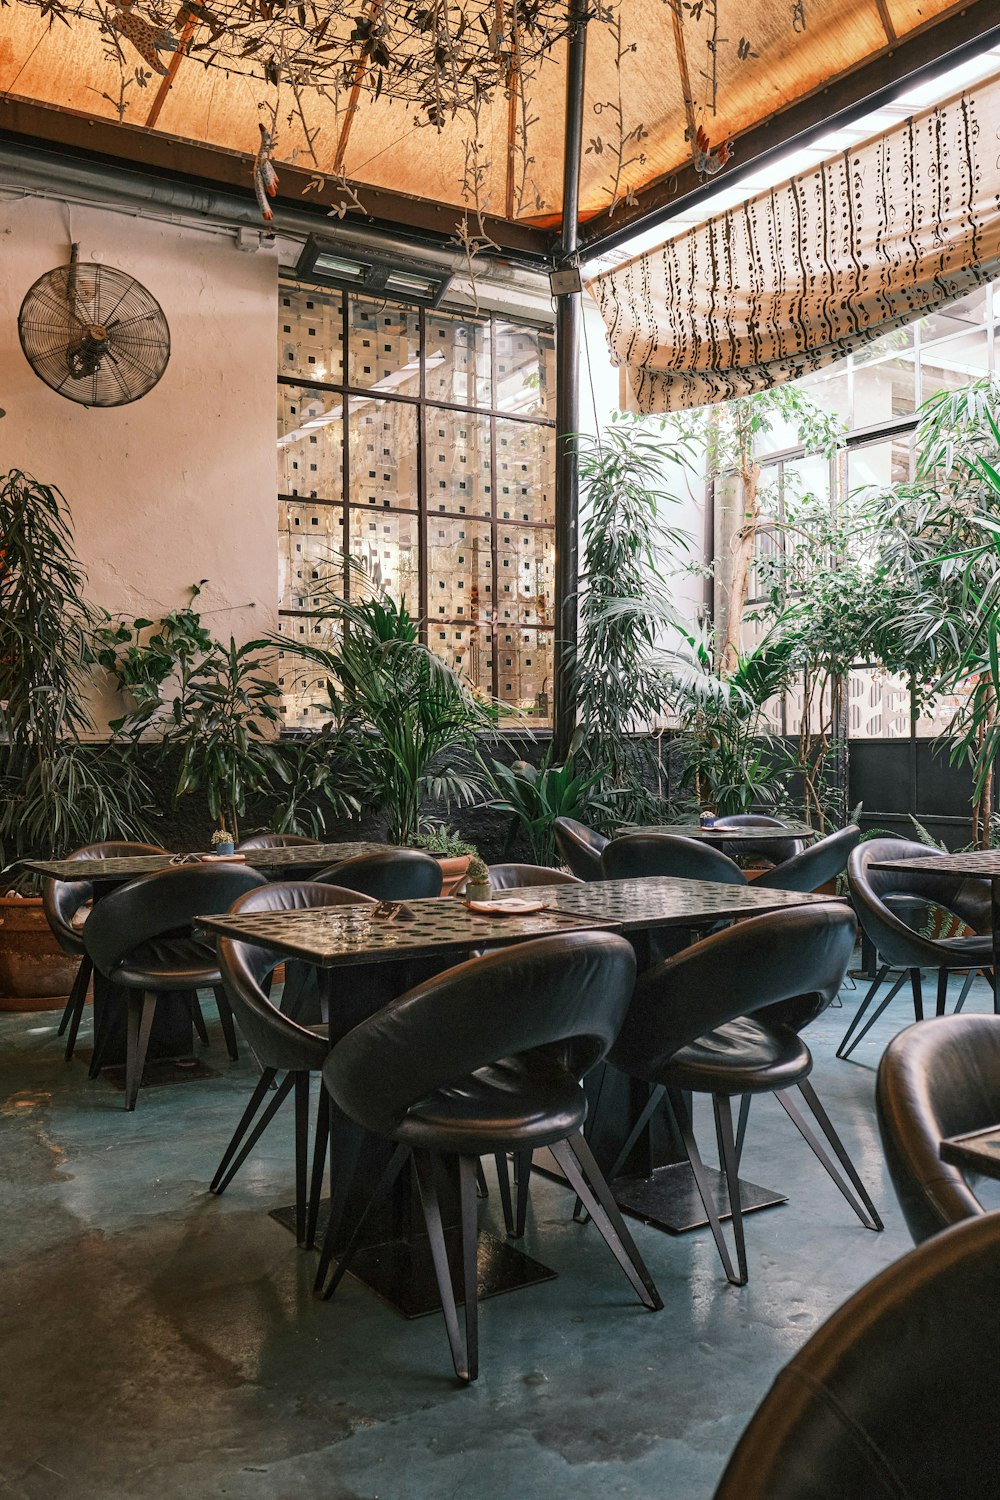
(799, 276)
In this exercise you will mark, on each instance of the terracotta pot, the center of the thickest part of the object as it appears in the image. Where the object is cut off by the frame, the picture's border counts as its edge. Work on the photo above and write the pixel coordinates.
(453, 868)
(35, 974)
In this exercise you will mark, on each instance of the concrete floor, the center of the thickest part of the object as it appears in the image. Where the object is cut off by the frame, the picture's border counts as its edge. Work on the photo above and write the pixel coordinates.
(158, 1341)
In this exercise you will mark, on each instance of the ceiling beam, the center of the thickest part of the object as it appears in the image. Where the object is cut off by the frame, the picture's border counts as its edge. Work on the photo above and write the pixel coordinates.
(114, 144)
(938, 47)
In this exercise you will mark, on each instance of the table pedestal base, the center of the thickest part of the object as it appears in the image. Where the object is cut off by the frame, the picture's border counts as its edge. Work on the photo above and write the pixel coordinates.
(401, 1271)
(670, 1200)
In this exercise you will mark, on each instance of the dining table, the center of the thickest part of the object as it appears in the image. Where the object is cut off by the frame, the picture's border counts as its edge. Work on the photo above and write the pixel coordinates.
(710, 833)
(979, 864)
(656, 1183)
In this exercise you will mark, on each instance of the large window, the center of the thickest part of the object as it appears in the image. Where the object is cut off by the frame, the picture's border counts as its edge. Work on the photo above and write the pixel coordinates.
(422, 444)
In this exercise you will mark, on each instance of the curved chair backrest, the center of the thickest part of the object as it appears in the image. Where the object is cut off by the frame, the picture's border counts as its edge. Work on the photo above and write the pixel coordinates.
(874, 891)
(277, 1041)
(62, 899)
(579, 847)
(848, 1416)
(155, 905)
(784, 956)
(637, 854)
(390, 875)
(566, 994)
(807, 871)
(771, 848)
(274, 841)
(510, 877)
(936, 1079)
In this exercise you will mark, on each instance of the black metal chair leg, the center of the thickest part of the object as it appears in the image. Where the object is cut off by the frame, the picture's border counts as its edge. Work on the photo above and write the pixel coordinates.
(872, 1221)
(470, 1258)
(68, 1008)
(724, 1124)
(844, 1051)
(319, 1162)
(390, 1172)
(482, 1187)
(503, 1180)
(873, 990)
(78, 1003)
(942, 991)
(964, 992)
(645, 1115)
(301, 1152)
(423, 1162)
(226, 1020)
(197, 1018)
(523, 1160)
(277, 1099)
(918, 994)
(741, 1127)
(141, 1010)
(220, 1180)
(110, 1013)
(577, 1161)
(683, 1120)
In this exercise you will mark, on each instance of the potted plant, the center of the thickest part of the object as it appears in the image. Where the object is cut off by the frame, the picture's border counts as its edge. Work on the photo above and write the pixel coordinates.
(477, 880)
(453, 854)
(142, 655)
(535, 796)
(56, 791)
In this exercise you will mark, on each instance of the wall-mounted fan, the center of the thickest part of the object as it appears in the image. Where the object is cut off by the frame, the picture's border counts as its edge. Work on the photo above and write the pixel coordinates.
(93, 333)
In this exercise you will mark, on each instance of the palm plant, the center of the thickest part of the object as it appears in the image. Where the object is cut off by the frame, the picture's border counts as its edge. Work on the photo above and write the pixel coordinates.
(535, 796)
(414, 720)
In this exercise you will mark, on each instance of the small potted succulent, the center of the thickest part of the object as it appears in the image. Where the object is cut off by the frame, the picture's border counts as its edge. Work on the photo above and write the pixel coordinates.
(477, 880)
(222, 841)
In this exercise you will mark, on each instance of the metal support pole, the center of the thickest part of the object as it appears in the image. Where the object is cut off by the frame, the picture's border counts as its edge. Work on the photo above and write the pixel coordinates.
(568, 321)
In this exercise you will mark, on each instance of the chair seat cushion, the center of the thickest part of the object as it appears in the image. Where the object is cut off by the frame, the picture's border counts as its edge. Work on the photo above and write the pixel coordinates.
(171, 962)
(976, 948)
(741, 1057)
(516, 1102)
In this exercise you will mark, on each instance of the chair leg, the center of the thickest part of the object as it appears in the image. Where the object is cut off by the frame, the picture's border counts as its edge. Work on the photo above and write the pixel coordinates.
(277, 1099)
(683, 1119)
(318, 1164)
(220, 1180)
(645, 1115)
(723, 1111)
(918, 994)
(482, 1186)
(873, 990)
(141, 1010)
(523, 1161)
(964, 992)
(741, 1128)
(942, 991)
(76, 1004)
(870, 1220)
(70, 1002)
(110, 1014)
(226, 1021)
(391, 1171)
(301, 1152)
(197, 1018)
(467, 1166)
(503, 1179)
(844, 1051)
(577, 1161)
(423, 1162)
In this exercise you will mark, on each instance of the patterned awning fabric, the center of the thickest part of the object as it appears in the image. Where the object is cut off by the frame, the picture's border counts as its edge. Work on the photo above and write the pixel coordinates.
(796, 278)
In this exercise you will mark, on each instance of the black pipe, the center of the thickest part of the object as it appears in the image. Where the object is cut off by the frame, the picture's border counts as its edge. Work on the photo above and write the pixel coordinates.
(569, 316)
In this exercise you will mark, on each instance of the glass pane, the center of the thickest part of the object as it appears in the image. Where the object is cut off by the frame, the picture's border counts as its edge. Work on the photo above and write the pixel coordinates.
(383, 346)
(311, 334)
(880, 464)
(830, 389)
(458, 462)
(310, 443)
(525, 472)
(525, 575)
(878, 705)
(310, 553)
(457, 360)
(459, 570)
(468, 650)
(524, 670)
(526, 370)
(954, 363)
(383, 454)
(303, 686)
(389, 548)
(885, 378)
(934, 718)
(964, 316)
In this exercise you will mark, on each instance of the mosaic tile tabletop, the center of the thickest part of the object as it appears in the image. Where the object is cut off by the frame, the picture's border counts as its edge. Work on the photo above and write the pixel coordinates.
(437, 926)
(295, 856)
(662, 901)
(724, 835)
(982, 862)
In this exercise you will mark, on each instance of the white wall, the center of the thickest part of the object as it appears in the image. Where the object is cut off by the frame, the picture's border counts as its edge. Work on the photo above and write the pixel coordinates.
(181, 484)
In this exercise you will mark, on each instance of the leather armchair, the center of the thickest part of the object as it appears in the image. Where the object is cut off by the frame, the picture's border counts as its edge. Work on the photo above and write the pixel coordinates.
(579, 847)
(822, 861)
(637, 854)
(391, 875)
(512, 877)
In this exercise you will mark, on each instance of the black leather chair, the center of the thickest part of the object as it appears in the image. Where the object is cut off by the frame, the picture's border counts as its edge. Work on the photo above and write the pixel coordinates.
(882, 898)
(280, 1044)
(635, 854)
(281, 841)
(141, 940)
(488, 1057)
(579, 847)
(822, 861)
(768, 846)
(62, 901)
(722, 1018)
(936, 1079)
(512, 877)
(390, 875)
(896, 1396)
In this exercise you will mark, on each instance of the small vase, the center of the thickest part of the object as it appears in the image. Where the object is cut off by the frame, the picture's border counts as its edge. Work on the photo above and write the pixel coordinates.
(478, 892)
(227, 847)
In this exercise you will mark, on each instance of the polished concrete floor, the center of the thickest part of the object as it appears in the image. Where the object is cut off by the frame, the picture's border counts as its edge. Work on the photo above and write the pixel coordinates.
(158, 1341)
